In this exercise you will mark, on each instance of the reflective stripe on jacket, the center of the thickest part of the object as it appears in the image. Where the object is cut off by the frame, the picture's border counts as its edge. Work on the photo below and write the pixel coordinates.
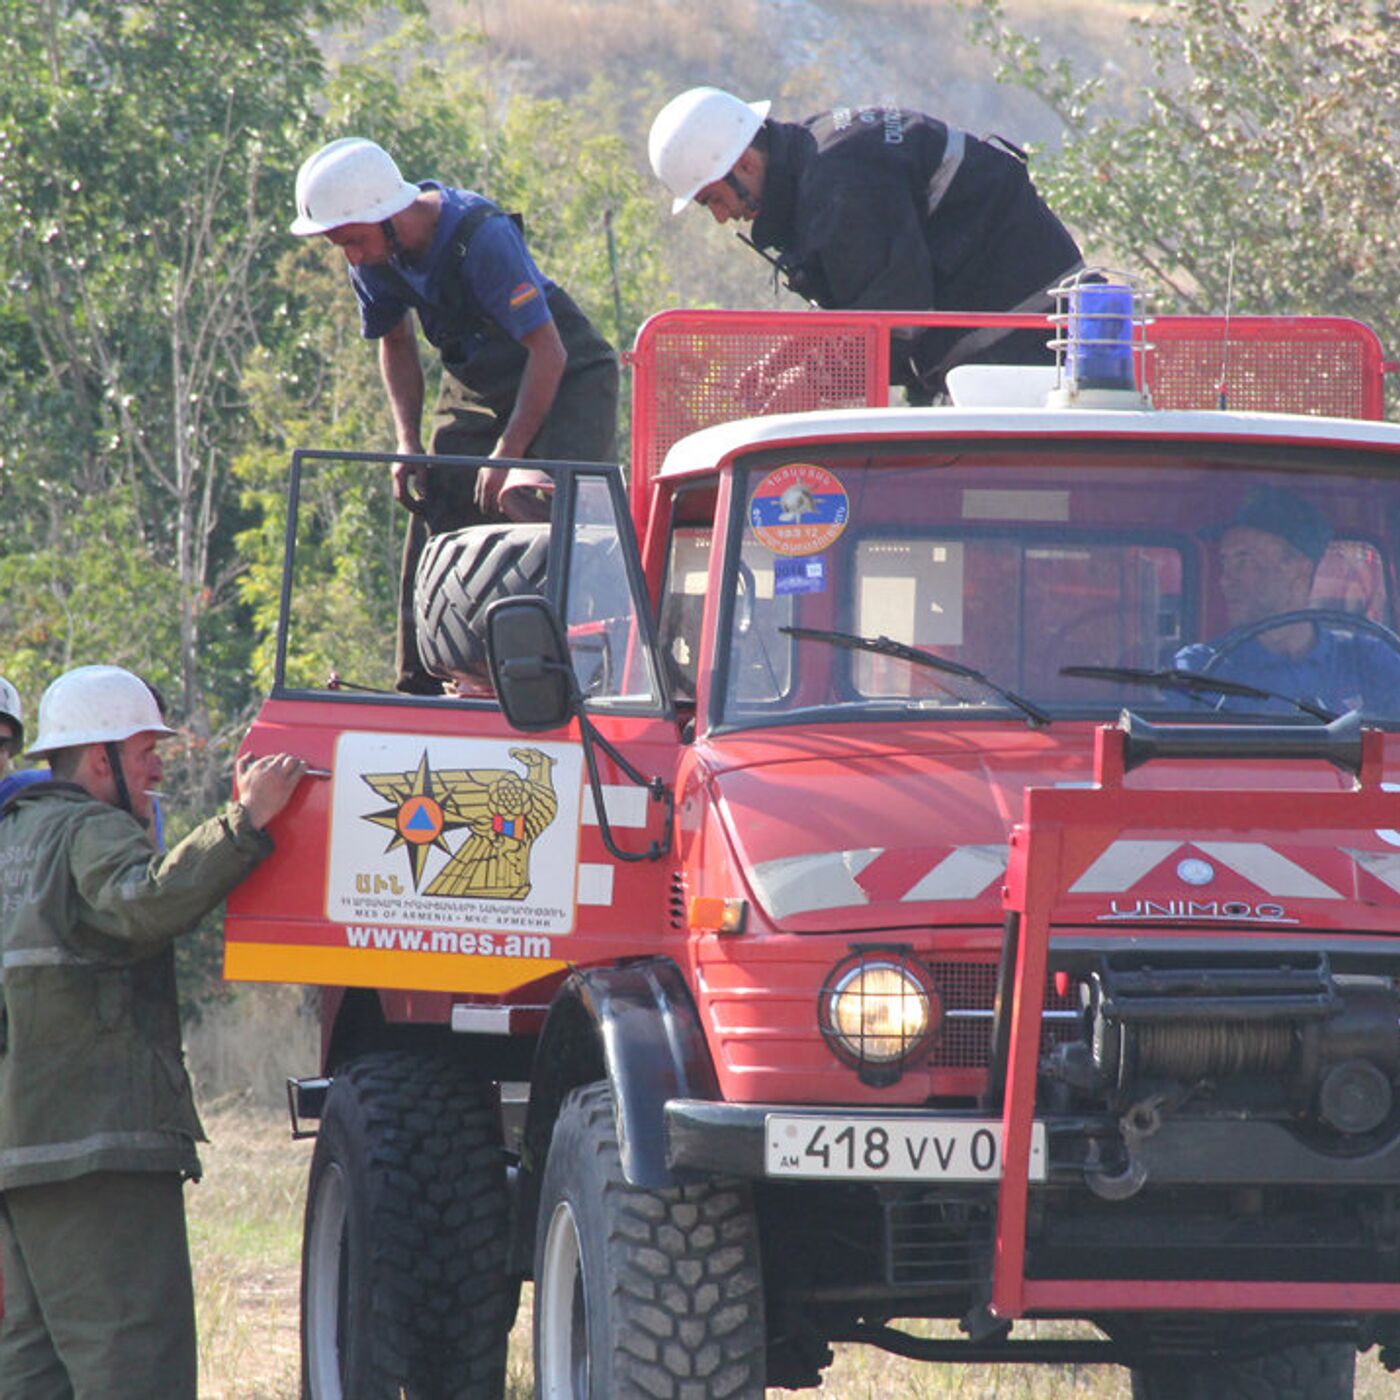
(92, 1074)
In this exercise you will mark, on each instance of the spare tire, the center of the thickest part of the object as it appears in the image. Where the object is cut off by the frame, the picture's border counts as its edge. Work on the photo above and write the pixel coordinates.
(459, 575)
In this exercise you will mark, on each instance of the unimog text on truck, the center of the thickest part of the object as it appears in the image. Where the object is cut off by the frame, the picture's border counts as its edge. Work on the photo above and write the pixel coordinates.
(921, 862)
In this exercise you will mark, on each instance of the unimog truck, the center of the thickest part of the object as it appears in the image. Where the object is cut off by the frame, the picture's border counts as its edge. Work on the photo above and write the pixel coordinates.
(855, 876)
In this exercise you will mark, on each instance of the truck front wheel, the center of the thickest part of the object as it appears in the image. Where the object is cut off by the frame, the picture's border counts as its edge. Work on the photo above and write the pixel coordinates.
(404, 1288)
(1318, 1371)
(641, 1293)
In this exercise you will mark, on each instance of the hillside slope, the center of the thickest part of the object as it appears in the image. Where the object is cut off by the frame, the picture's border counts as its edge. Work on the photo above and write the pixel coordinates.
(624, 58)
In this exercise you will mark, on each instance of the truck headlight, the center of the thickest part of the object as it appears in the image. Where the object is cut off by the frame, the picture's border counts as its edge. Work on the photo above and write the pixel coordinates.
(876, 1010)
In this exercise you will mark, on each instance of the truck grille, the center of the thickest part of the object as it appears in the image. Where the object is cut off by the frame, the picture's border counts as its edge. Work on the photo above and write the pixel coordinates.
(969, 991)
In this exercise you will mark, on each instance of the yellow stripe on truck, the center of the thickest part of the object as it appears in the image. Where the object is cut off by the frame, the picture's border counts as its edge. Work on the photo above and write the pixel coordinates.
(370, 967)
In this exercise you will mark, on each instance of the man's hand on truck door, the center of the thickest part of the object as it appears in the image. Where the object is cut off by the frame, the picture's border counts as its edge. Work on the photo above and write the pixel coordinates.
(263, 786)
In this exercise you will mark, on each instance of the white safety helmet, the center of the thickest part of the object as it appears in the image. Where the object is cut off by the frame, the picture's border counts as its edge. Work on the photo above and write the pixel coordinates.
(12, 709)
(698, 136)
(96, 705)
(351, 181)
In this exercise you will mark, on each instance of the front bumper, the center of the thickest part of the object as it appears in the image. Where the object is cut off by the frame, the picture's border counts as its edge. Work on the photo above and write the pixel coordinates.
(706, 1138)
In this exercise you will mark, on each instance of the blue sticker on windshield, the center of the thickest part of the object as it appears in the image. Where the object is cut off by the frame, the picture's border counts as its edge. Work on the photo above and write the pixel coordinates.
(799, 576)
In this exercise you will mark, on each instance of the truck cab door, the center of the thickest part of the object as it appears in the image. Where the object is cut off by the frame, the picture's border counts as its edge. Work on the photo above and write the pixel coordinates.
(442, 850)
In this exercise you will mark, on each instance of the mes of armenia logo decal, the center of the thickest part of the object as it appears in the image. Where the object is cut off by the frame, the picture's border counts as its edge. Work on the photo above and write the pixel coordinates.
(503, 812)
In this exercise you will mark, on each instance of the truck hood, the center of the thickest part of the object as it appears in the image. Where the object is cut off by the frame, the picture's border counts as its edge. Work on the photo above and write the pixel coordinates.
(839, 832)
(848, 833)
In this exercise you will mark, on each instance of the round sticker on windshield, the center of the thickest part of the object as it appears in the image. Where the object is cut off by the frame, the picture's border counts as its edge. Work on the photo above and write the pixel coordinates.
(798, 509)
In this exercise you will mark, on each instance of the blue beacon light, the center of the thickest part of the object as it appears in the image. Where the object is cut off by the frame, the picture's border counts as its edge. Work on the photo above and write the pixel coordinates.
(1099, 332)
(1101, 336)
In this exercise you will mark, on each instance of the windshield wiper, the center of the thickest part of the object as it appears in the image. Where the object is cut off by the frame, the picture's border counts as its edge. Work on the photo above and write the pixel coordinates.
(1194, 682)
(887, 646)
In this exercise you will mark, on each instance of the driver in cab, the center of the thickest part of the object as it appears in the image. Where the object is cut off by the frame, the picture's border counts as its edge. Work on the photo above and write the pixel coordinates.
(1268, 554)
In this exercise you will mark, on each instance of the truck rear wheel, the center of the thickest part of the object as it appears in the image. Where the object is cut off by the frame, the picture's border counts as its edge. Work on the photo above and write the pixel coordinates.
(641, 1293)
(404, 1287)
(1319, 1371)
(459, 575)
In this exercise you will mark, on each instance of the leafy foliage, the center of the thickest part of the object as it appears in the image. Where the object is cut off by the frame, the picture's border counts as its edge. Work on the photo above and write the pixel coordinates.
(1265, 135)
(164, 343)
(137, 146)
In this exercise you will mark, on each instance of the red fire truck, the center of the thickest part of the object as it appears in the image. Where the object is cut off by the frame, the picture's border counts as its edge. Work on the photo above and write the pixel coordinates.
(910, 863)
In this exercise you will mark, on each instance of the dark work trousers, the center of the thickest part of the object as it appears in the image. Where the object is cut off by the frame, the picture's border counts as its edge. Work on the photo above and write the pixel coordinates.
(99, 1303)
(581, 426)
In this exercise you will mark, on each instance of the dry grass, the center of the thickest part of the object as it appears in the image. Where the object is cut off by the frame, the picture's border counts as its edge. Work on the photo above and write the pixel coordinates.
(244, 1051)
(245, 1240)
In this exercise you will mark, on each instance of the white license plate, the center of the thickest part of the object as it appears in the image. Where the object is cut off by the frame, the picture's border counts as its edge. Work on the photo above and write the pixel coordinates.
(891, 1149)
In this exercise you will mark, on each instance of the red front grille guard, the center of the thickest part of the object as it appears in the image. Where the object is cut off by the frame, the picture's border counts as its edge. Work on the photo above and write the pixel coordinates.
(1061, 833)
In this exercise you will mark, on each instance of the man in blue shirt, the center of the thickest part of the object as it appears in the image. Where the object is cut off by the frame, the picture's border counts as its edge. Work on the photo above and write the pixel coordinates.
(12, 744)
(524, 372)
(1268, 554)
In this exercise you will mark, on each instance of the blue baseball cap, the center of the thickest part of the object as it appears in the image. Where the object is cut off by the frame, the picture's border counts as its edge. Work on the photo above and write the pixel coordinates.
(1279, 512)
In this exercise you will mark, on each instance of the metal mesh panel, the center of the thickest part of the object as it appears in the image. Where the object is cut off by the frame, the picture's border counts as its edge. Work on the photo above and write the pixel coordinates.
(969, 991)
(693, 369)
(1262, 374)
(937, 1240)
(714, 376)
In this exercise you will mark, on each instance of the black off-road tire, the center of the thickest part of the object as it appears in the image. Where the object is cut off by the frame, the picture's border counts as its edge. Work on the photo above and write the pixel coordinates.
(459, 575)
(404, 1285)
(638, 1293)
(1317, 1371)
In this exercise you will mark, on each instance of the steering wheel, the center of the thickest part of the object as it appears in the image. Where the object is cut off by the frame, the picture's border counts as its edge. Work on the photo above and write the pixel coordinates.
(1333, 617)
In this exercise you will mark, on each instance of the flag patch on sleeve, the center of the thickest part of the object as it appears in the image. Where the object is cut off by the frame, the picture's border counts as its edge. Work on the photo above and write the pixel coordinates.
(524, 293)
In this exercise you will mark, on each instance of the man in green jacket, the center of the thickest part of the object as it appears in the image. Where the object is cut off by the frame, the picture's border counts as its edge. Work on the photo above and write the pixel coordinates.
(97, 1120)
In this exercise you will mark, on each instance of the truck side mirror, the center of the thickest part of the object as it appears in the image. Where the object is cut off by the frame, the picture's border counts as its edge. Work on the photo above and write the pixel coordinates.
(530, 665)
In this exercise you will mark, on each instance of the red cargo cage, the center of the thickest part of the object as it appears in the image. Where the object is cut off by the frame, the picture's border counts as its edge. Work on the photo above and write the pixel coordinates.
(689, 367)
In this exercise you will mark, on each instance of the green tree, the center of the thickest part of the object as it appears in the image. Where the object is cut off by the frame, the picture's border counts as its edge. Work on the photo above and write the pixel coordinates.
(145, 154)
(1267, 132)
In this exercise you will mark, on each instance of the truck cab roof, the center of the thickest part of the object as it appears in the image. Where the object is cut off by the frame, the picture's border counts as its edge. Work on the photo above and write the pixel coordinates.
(712, 446)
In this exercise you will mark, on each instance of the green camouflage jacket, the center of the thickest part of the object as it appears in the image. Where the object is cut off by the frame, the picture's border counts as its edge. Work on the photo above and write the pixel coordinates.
(92, 1075)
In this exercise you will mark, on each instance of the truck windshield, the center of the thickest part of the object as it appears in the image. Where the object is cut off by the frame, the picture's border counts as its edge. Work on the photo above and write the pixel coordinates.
(1078, 580)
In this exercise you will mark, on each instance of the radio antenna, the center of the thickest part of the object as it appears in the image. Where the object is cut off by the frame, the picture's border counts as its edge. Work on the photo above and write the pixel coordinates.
(1221, 389)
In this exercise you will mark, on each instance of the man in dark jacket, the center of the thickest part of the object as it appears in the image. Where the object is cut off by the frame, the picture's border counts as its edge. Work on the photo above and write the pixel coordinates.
(877, 208)
(525, 375)
(97, 1120)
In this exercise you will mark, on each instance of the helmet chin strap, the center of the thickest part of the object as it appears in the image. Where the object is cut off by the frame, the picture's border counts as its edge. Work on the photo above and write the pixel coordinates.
(123, 792)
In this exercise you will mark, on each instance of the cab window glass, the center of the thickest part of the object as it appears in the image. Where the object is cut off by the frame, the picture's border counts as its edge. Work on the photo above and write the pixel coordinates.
(683, 606)
(761, 665)
(605, 641)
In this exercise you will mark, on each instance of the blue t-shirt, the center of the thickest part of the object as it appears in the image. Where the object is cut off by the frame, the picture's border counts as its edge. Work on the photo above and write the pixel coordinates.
(13, 782)
(1341, 672)
(499, 270)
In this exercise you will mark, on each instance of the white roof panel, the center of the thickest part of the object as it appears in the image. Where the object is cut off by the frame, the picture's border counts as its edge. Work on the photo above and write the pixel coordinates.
(710, 446)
